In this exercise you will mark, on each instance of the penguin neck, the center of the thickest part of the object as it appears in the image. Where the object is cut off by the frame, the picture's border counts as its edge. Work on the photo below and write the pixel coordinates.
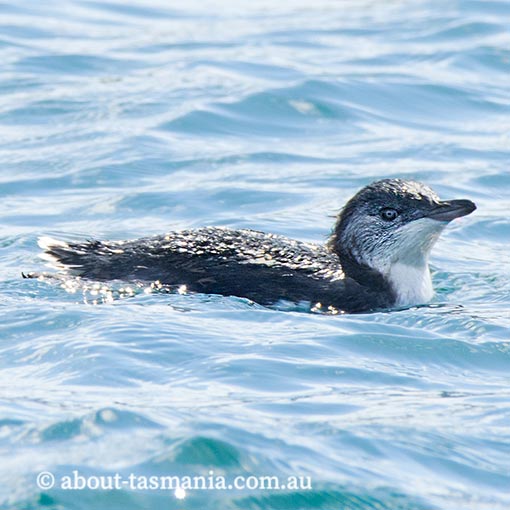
(411, 284)
(364, 274)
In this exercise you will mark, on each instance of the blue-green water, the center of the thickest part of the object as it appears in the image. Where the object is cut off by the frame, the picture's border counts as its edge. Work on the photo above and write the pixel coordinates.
(122, 119)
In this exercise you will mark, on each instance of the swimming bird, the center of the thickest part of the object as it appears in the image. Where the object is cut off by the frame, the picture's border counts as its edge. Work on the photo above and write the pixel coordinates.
(376, 257)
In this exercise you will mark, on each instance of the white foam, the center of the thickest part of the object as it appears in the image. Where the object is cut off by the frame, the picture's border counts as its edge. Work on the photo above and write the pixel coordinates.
(46, 243)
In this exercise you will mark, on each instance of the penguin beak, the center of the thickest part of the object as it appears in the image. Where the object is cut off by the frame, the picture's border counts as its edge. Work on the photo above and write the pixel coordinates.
(451, 209)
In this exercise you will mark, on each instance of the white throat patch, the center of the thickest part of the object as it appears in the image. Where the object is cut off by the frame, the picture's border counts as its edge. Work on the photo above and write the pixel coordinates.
(405, 261)
(411, 284)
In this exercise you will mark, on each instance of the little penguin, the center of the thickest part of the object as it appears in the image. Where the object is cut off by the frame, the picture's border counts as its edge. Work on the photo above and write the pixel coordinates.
(375, 259)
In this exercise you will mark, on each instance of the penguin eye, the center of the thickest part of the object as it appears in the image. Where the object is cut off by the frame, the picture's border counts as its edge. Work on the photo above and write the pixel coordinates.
(388, 214)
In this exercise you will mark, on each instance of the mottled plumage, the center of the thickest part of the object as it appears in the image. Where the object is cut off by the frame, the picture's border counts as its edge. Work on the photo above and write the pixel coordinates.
(354, 272)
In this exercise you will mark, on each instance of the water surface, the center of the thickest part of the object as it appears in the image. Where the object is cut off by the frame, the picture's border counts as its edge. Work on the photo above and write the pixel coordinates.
(119, 120)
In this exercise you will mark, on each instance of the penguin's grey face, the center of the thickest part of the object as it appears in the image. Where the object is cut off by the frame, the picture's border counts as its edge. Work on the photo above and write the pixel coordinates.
(394, 222)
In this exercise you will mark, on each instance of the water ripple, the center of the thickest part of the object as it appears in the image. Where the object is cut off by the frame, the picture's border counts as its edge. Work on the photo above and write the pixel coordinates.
(125, 119)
